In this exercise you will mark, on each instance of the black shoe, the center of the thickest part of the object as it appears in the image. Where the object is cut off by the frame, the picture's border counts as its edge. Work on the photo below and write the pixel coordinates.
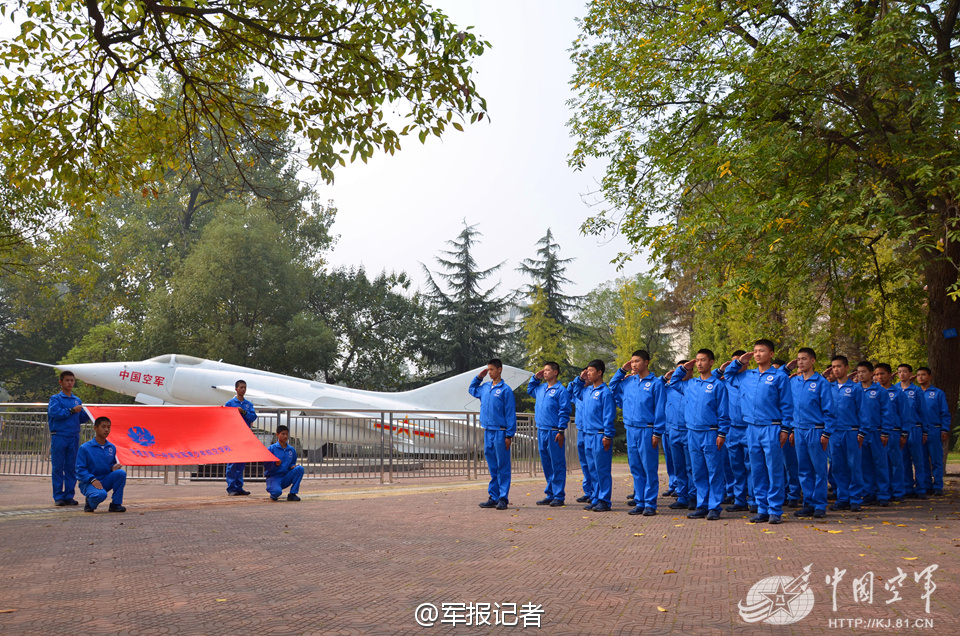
(61, 503)
(921, 495)
(691, 506)
(676, 505)
(831, 496)
(242, 492)
(292, 497)
(272, 498)
(775, 520)
(631, 502)
(806, 511)
(502, 504)
(760, 518)
(116, 508)
(649, 512)
(896, 499)
(637, 510)
(727, 500)
(883, 504)
(840, 506)
(855, 508)
(72, 502)
(545, 502)
(588, 507)
(869, 499)
(910, 495)
(699, 513)
(713, 515)
(670, 492)
(556, 503)
(737, 508)
(583, 499)
(793, 503)
(601, 507)
(937, 493)
(753, 509)
(819, 514)
(489, 503)
(88, 508)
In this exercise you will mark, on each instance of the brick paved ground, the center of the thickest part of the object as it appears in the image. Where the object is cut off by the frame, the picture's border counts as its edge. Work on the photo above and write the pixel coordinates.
(358, 558)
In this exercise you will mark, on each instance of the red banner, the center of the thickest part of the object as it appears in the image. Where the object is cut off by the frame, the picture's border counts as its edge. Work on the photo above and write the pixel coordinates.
(179, 435)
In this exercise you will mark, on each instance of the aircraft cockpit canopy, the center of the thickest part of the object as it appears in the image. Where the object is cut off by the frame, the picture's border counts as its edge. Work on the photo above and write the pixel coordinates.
(177, 358)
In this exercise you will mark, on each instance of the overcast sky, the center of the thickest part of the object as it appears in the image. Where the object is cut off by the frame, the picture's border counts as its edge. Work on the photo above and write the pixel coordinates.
(509, 176)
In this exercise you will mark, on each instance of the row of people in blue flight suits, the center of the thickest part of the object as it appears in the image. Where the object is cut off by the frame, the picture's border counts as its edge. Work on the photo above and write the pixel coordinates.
(754, 438)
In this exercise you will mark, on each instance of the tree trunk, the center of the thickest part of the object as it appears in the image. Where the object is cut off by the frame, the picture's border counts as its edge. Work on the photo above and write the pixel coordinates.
(943, 313)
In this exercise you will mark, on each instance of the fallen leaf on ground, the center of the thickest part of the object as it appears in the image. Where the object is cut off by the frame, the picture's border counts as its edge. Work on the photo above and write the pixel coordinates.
(669, 571)
(660, 609)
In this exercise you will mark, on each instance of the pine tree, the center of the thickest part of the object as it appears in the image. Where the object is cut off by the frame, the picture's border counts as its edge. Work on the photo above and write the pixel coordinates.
(543, 336)
(547, 273)
(468, 330)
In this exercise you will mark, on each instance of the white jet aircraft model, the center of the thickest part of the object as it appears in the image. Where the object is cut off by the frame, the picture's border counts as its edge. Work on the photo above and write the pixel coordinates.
(417, 425)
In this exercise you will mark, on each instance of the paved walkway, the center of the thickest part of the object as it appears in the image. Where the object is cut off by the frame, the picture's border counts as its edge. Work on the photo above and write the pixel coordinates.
(357, 557)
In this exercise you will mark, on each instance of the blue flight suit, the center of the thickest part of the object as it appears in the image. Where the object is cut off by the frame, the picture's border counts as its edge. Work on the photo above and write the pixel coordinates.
(588, 483)
(915, 470)
(644, 418)
(287, 475)
(64, 443)
(600, 416)
(873, 426)
(896, 407)
(767, 409)
(498, 416)
(738, 456)
(686, 488)
(707, 416)
(934, 405)
(668, 460)
(552, 414)
(791, 466)
(844, 447)
(234, 472)
(813, 417)
(96, 461)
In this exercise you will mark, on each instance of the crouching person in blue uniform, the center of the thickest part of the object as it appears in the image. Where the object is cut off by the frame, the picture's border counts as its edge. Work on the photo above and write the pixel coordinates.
(285, 472)
(99, 471)
(249, 415)
(498, 416)
(552, 414)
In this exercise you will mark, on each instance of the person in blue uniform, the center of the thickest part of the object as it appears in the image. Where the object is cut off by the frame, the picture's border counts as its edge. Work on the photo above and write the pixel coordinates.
(846, 441)
(587, 482)
(876, 434)
(736, 447)
(934, 404)
(599, 428)
(791, 468)
(814, 421)
(552, 414)
(64, 417)
(99, 471)
(686, 488)
(767, 409)
(708, 421)
(897, 410)
(249, 415)
(285, 472)
(915, 469)
(644, 417)
(498, 417)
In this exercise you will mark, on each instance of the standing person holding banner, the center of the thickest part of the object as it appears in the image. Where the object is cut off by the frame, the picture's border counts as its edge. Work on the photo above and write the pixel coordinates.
(249, 415)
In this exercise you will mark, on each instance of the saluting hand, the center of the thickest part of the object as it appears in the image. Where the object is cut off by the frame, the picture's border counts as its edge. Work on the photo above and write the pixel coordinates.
(626, 367)
(539, 374)
(689, 365)
(725, 365)
(482, 374)
(746, 358)
(583, 375)
(793, 364)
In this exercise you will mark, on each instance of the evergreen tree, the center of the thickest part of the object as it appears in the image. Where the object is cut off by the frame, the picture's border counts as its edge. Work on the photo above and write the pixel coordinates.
(547, 273)
(468, 320)
(543, 336)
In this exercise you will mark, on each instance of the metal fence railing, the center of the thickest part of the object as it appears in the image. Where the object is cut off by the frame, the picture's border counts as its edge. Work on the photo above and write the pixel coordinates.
(384, 445)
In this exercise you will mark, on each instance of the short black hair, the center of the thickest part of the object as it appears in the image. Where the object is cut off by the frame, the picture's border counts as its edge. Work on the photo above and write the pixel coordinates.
(842, 359)
(65, 374)
(239, 382)
(642, 353)
(763, 342)
(707, 353)
(909, 368)
(737, 353)
(884, 366)
(100, 420)
(553, 365)
(927, 369)
(807, 350)
(282, 428)
(598, 365)
(778, 362)
(495, 362)
(682, 362)
(866, 364)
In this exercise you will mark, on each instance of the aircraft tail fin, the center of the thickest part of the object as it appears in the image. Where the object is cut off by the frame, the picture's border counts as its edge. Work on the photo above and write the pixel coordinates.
(451, 394)
(40, 364)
